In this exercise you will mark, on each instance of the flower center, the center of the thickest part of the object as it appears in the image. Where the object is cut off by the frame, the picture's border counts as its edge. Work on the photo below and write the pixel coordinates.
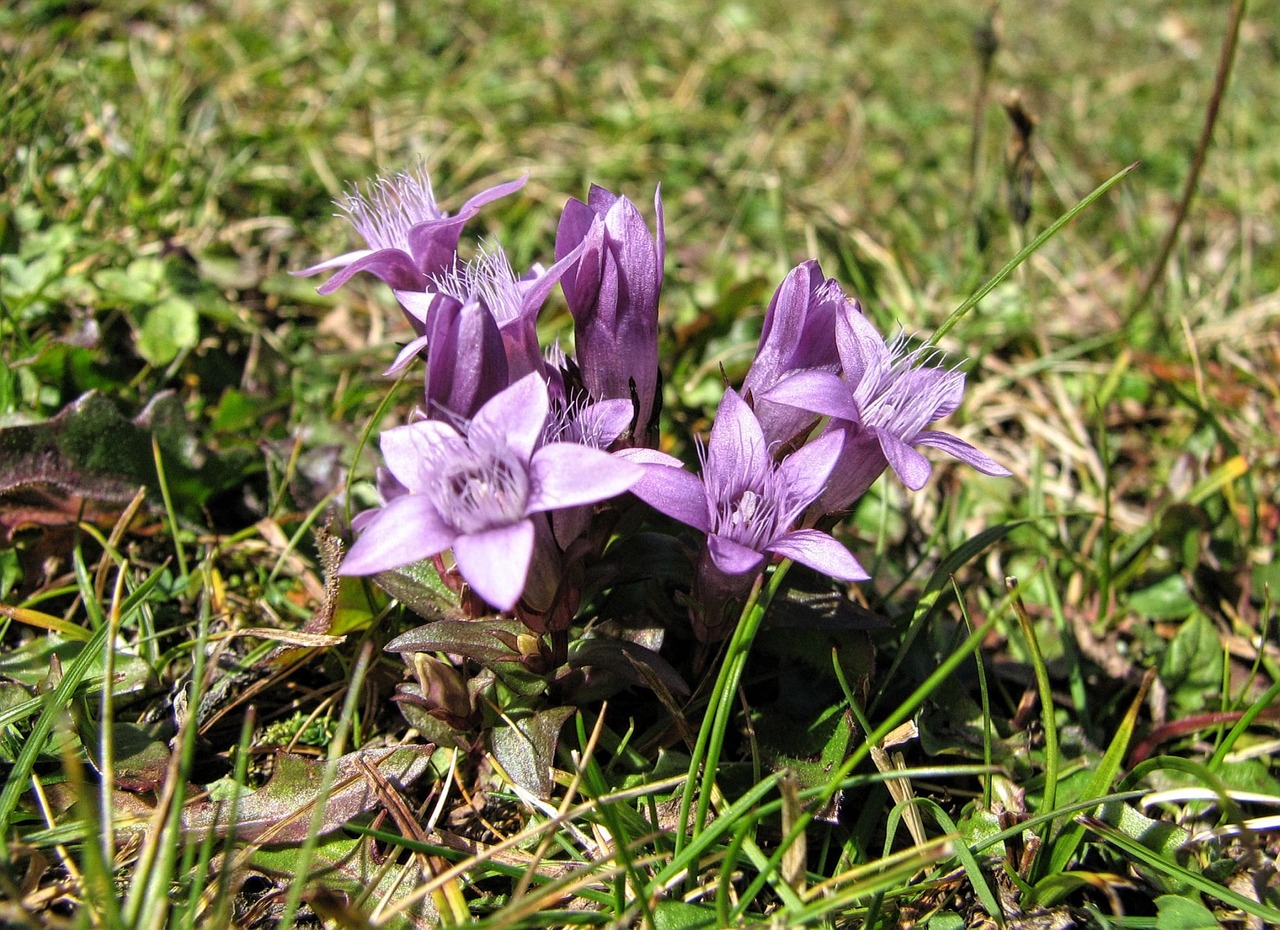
(749, 518)
(384, 214)
(482, 489)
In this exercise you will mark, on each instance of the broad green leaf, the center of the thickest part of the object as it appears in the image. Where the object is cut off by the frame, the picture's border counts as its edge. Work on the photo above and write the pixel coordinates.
(527, 748)
(1174, 912)
(355, 868)
(280, 811)
(170, 327)
(1167, 599)
(1192, 665)
(418, 586)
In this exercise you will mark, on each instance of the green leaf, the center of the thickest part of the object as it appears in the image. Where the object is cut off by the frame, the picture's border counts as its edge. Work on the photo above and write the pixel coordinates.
(485, 641)
(419, 587)
(677, 915)
(1167, 599)
(1178, 913)
(1192, 665)
(138, 284)
(526, 749)
(170, 327)
(280, 811)
(354, 867)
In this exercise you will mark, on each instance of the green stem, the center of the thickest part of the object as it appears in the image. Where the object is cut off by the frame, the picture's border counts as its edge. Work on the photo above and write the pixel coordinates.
(715, 723)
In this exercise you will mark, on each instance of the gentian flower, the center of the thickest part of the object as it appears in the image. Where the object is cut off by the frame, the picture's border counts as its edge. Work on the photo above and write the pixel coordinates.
(799, 333)
(881, 408)
(409, 237)
(479, 492)
(613, 291)
(747, 505)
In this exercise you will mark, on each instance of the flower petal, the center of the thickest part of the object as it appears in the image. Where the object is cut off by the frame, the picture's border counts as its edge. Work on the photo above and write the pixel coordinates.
(820, 552)
(406, 356)
(966, 453)
(496, 192)
(518, 414)
(564, 474)
(496, 562)
(671, 490)
(393, 266)
(822, 392)
(863, 353)
(737, 451)
(338, 261)
(407, 450)
(404, 531)
(910, 466)
(418, 306)
(805, 472)
(732, 558)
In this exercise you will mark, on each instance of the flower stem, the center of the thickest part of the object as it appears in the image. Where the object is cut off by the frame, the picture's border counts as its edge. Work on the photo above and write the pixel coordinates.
(715, 723)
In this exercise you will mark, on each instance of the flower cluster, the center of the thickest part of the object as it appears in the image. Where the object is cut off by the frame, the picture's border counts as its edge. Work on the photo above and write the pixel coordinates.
(515, 448)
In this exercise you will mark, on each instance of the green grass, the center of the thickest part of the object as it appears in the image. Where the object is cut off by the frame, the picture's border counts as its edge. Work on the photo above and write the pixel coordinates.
(166, 165)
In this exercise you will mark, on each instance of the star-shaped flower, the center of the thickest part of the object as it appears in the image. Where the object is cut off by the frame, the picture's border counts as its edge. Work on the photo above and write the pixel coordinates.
(477, 492)
(409, 237)
(881, 404)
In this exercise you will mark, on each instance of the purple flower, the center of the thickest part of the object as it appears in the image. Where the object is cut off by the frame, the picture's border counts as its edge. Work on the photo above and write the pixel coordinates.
(409, 238)
(799, 333)
(613, 291)
(478, 493)
(881, 408)
(747, 505)
(490, 282)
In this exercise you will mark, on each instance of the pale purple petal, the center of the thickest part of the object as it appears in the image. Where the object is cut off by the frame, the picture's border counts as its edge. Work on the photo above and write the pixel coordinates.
(732, 558)
(863, 352)
(496, 562)
(677, 493)
(805, 472)
(406, 356)
(910, 466)
(820, 552)
(537, 291)
(737, 449)
(338, 261)
(496, 192)
(407, 450)
(393, 266)
(599, 424)
(819, 391)
(564, 474)
(580, 227)
(406, 530)
(517, 414)
(963, 451)
(649, 457)
(418, 306)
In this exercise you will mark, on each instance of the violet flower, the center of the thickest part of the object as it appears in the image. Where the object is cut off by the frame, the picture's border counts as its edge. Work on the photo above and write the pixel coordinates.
(479, 493)
(747, 505)
(613, 291)
(799, 333)
(881, 408)
(409, 237)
